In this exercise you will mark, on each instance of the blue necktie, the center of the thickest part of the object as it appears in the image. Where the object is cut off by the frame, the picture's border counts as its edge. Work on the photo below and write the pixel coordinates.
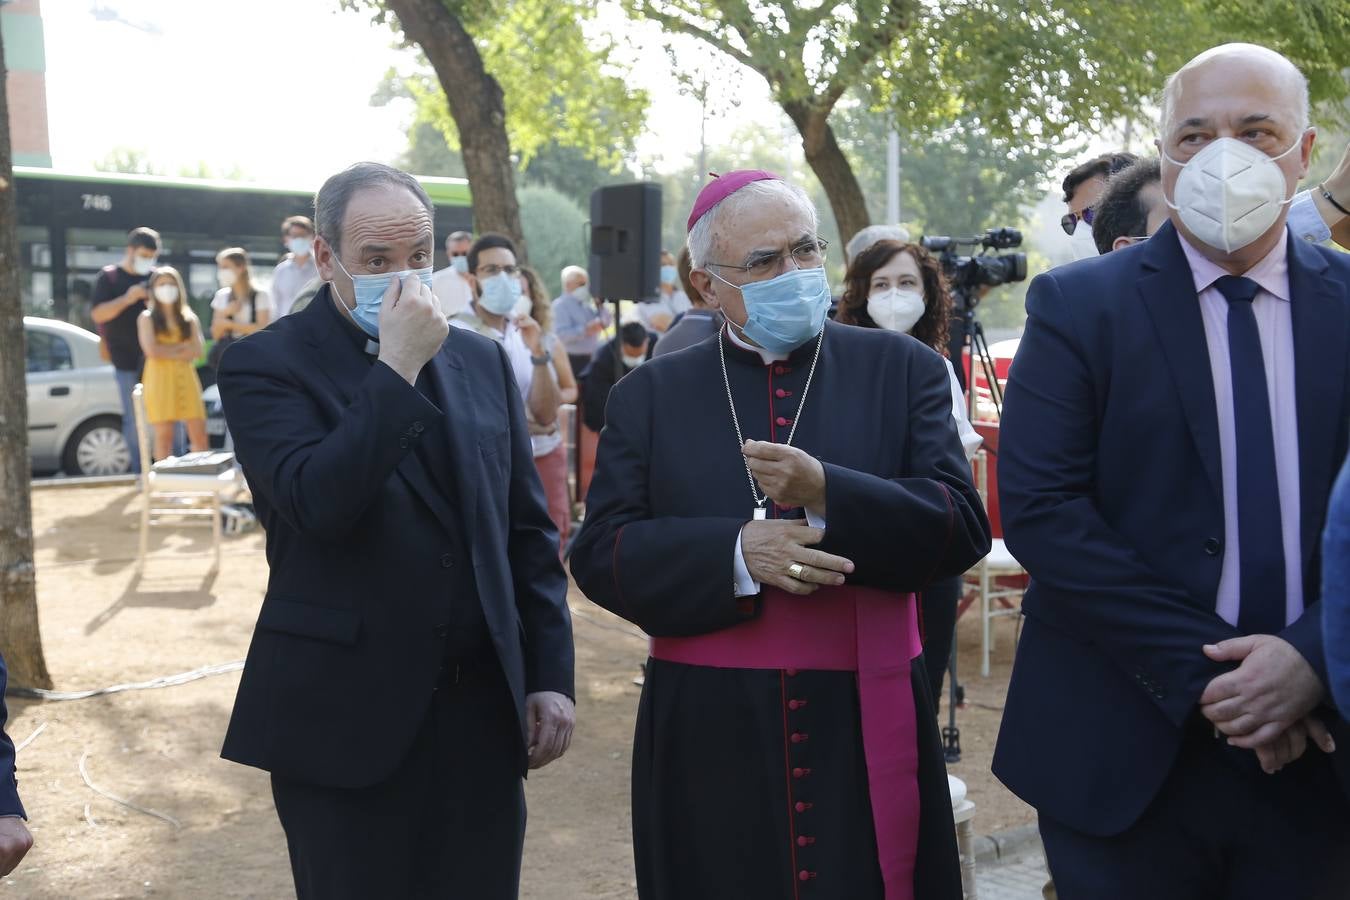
(1261, 607)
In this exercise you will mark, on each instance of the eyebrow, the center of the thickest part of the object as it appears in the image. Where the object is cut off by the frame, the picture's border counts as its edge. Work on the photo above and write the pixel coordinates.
(1201, 122)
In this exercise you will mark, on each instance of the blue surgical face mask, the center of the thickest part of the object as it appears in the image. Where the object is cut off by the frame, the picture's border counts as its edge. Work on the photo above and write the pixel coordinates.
(668, 275)
(300, 246)
(500, 293)
(370, 290)
(460, 264)
(785, 312)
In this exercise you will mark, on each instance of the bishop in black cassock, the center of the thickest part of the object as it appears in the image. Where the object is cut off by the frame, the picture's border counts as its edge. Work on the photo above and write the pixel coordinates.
(786, 745)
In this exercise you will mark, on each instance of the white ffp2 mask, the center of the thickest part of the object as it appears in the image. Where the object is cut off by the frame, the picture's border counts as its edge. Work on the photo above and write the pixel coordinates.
(896, 310)
(1230, 193)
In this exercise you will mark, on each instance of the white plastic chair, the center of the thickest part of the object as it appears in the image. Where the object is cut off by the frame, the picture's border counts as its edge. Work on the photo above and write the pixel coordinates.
(169, 497)
(995, 599)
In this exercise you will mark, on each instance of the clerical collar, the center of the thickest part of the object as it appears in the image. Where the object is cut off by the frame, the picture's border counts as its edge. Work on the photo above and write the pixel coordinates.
(362, 341)
(769, 357)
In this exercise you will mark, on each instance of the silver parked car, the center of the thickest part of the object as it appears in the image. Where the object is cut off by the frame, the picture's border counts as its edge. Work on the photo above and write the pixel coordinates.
(74, 413)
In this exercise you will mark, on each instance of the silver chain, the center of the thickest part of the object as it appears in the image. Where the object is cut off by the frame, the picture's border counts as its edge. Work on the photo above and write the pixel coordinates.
(736, 420)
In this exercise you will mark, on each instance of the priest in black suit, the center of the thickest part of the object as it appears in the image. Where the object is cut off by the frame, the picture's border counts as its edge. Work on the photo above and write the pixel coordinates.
(413, 654)
(764, 506)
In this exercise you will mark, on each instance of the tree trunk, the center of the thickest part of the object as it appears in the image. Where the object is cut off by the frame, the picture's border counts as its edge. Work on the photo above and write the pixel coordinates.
(477, 106)
(20, 641)
(826, 158)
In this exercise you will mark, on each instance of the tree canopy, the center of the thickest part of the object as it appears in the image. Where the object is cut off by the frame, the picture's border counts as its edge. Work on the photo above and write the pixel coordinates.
(1030, 72)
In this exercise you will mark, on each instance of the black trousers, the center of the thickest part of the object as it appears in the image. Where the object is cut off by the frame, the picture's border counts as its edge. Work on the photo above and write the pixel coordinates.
(449, 823)
(1219, 829)
(938, 605)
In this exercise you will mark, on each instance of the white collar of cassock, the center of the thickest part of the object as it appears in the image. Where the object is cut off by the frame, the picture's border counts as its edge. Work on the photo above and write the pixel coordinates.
(768, 357)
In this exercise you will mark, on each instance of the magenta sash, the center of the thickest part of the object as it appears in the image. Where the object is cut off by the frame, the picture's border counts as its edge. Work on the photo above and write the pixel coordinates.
(847, 629)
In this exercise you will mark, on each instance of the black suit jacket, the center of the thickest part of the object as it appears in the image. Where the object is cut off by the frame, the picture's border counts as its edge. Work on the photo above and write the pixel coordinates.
(9, 785)
(1111, 492)
(363, 565)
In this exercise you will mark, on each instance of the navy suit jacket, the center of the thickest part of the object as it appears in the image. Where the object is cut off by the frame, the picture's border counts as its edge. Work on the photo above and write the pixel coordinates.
(9, 785)
(362, 549)
(1111, 494)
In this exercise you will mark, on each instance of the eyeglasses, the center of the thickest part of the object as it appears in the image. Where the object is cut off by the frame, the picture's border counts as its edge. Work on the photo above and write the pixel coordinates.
(809, 254)
(490, 270)
(1070, 221)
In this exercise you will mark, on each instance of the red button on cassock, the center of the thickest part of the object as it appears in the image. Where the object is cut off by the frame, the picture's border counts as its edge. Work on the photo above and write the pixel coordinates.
(804, 875)
(779, 370)
(782, 422)
(799, 737)
(805, 841)
(780, 393)
(802, 807)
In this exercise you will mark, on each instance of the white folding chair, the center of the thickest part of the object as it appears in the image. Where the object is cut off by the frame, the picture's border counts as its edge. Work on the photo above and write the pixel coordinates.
(995, 598)
(169, 498)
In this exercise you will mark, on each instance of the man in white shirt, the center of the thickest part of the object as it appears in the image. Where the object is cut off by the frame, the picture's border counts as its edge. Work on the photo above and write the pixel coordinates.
(453, 285)
(297, 269)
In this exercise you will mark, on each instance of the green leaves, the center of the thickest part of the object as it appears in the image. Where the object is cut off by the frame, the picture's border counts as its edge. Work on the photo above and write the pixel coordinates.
(558, 85)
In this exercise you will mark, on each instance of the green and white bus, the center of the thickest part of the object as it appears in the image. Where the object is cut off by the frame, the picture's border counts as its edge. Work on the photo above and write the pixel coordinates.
(73, 224)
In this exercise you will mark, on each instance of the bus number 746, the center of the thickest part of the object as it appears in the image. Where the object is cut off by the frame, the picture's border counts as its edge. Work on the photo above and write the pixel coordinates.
(100, 202)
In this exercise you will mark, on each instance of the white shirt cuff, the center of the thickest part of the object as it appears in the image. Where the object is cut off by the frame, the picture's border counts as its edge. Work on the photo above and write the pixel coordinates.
(814, 520)
(1305, 221)
(745, 586)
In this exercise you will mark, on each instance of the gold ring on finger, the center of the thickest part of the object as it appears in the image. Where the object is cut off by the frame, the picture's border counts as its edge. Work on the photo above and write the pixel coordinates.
(796, 570)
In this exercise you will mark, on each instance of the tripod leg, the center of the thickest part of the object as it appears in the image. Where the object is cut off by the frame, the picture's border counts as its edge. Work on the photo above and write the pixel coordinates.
(951, 735)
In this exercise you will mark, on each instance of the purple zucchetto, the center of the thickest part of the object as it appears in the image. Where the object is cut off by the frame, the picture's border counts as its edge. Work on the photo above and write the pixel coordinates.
(723, 186)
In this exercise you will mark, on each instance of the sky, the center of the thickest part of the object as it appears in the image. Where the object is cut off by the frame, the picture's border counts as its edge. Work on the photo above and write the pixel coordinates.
(280, 89)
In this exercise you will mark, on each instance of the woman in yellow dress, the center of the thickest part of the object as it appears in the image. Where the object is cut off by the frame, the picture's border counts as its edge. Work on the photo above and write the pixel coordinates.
(171, 337)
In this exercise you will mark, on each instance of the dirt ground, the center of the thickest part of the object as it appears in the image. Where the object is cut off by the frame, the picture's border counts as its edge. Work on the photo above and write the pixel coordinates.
(103, 625)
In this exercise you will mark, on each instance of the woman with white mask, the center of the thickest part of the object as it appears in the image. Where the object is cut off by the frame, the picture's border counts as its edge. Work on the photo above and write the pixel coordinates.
(900, 287)
(238, 308)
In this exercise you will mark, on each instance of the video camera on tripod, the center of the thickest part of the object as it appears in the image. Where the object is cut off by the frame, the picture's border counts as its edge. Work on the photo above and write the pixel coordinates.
(966, 274)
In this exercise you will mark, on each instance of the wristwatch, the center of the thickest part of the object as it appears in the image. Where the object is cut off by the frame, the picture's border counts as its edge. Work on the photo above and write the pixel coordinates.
(540, 360)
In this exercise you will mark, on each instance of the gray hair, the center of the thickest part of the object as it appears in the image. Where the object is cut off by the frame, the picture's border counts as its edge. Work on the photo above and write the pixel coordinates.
(1172, 89)
(569, 271)
(702, 234)
(330, 203)
(873, 233)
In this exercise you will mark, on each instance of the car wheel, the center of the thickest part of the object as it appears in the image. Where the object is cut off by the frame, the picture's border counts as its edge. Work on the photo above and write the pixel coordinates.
(97, 448)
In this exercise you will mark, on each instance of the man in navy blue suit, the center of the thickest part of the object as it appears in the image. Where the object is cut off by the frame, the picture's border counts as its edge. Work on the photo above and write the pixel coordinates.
(1175, 418)
(15, 841)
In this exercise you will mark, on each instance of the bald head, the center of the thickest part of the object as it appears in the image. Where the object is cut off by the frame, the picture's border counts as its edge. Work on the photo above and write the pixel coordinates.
(1240, 67)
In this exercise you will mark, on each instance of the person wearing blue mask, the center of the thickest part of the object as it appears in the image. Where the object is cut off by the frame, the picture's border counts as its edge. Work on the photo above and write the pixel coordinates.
(765, 506)
(296, 269)
(413, 655)
(670, 302)
(452, 285)
(500, 312)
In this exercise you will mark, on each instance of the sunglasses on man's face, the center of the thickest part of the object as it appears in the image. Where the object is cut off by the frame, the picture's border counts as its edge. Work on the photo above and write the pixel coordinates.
(1070, 221)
